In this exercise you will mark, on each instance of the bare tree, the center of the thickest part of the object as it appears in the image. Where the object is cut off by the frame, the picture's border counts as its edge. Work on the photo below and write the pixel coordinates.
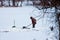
(13, 1)
(9, 2)
(21, 2)
(17, 2)
(1, 2)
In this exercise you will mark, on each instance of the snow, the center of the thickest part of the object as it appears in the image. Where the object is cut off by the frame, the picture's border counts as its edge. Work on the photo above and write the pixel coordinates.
(25, 34)
(21, 15)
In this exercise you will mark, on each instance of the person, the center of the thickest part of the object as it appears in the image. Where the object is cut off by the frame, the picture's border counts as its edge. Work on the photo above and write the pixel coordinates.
(51, 28)
(33, 21)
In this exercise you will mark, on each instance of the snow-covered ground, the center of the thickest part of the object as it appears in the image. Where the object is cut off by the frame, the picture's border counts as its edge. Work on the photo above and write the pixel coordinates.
(22, 15)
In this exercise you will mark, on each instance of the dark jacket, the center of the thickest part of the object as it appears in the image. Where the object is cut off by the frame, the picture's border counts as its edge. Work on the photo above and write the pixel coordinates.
(33, 20)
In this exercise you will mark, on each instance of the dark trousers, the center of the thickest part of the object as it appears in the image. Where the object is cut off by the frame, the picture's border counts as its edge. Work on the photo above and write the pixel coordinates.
(33, 25)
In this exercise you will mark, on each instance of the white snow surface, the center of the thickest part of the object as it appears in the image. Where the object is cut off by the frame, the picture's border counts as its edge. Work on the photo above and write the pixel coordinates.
(21, 15)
